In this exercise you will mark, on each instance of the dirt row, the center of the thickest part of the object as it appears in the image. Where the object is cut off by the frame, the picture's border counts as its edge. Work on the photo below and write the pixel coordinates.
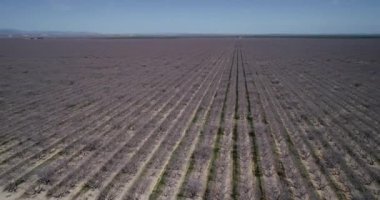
(189, 119)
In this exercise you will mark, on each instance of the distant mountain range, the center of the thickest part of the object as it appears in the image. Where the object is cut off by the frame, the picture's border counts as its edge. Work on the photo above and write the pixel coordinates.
(14, 33)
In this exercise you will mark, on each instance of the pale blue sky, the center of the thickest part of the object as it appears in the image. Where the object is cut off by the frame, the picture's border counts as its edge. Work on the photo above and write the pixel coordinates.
(193, 16)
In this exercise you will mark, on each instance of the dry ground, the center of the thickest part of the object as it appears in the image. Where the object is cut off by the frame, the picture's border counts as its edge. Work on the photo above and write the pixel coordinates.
(262, 118)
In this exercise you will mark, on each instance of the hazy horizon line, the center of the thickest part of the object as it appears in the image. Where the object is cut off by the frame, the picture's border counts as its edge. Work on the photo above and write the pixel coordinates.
(226, 33)
(23, 31)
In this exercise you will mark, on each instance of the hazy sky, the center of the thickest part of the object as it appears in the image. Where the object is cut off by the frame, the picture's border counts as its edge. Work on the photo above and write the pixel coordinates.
(193, 16)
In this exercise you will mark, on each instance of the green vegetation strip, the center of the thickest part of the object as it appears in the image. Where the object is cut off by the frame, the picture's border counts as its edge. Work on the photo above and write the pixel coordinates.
(215, 155)
(235, 155)
(254, 148)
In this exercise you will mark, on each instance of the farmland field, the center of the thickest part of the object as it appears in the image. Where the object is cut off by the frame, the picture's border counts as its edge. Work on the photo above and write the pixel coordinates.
(186, 118)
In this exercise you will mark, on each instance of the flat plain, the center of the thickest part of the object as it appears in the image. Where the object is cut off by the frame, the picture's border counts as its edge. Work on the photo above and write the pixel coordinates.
(190, 118)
